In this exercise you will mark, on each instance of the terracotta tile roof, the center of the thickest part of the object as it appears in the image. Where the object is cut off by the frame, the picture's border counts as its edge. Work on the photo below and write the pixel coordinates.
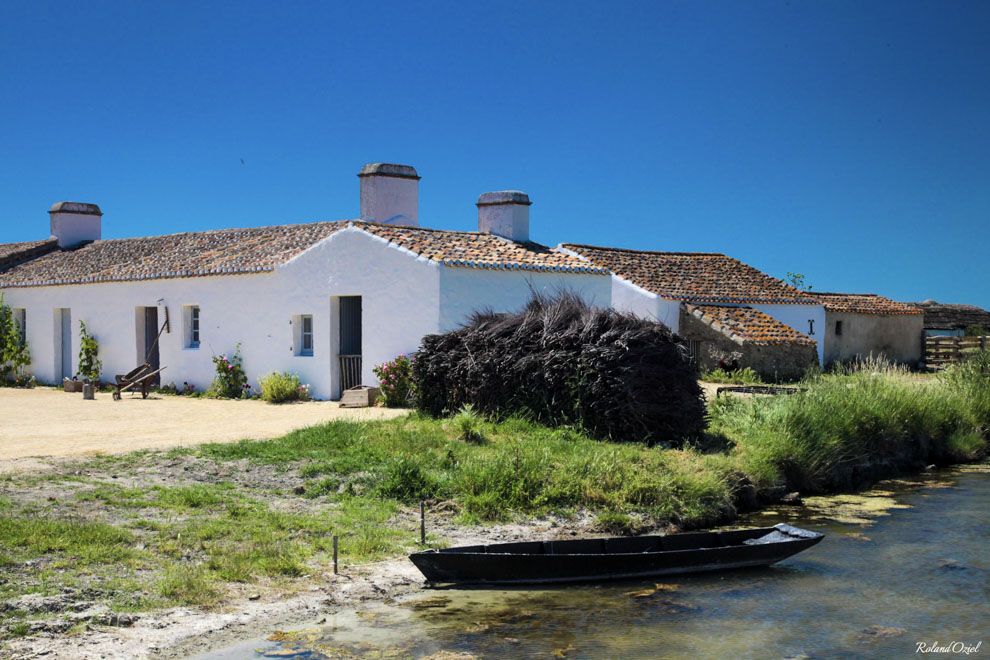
(14, 253)
(864, 303)
(223, 251)
(947, 316)
(260, 249)
(698, 276)
(479, 250)
(748, 325)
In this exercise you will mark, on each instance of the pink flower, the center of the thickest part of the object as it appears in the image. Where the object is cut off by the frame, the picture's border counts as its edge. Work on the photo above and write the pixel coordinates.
(230, 366)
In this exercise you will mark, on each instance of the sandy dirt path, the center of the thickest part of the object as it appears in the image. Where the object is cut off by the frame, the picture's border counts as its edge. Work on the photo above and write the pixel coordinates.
(50, 422)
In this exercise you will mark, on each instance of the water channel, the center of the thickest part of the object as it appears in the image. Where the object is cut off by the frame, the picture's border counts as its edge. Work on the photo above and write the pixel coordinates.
(903, 564)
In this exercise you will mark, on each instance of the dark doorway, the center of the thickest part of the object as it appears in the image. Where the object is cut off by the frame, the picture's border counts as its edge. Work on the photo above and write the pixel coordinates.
(350, 342)
(150, 340)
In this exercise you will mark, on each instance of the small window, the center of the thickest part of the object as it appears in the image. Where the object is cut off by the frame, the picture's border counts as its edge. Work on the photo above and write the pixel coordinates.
(306, 335)
(192, 326)
(20, 318)
(838, 327)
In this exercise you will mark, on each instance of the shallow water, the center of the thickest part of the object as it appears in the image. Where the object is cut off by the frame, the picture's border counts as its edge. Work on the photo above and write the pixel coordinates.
(900, 565)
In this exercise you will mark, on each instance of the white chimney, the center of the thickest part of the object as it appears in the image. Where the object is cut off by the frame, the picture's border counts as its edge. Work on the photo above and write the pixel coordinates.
(504, 213)
(390, 194)
(75, 222)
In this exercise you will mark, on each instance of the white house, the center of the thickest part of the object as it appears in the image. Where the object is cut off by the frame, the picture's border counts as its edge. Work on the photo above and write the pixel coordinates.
(318, 299)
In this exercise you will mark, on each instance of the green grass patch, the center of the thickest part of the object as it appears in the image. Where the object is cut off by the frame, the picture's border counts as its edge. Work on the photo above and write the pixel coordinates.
(87, 542)
(744, 376)
(188, 585)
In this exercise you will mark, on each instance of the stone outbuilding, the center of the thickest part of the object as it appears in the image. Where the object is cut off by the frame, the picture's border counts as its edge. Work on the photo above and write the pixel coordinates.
(858, 325)
(740, 337)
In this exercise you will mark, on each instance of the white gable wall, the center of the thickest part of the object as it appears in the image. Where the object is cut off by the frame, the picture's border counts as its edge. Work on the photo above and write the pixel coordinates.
(399, 297)
(466, 290)
(632, 299)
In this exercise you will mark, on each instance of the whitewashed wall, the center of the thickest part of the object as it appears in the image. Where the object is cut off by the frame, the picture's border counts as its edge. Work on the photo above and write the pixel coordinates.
(465, 290)
(633, 299)
(797, 316)
(249, 309)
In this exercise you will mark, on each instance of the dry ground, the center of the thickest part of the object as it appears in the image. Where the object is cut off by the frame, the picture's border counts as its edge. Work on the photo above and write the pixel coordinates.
(49, 422)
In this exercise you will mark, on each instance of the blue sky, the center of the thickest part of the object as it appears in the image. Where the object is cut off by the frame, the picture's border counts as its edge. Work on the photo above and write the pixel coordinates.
(848, 141)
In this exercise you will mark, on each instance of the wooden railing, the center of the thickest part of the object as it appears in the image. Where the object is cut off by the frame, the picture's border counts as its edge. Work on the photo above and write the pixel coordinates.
(946, 350)
(350, 371)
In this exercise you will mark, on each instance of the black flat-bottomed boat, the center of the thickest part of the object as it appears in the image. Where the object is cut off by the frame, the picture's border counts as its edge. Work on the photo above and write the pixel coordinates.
(581, 560)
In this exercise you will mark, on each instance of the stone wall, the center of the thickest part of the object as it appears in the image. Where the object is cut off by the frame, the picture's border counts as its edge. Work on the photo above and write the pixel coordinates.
(772, 362)
(897, 336)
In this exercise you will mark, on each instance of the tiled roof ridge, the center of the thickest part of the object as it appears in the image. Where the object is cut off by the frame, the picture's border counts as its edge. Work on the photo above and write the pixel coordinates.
(225, 230)
(13, 254)
(866, 303)
(661, 252)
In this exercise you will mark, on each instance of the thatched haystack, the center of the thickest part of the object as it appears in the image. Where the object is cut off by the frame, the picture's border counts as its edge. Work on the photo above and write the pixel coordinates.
(562, 362)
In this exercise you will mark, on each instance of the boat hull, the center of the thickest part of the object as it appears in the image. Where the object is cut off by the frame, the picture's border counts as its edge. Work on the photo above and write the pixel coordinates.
(550, 562)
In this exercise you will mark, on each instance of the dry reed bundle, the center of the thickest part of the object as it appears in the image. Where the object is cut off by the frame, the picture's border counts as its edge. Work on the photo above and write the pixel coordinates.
(562, 362)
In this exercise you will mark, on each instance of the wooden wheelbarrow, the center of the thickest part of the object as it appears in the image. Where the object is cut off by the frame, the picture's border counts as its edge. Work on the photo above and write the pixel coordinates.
(142, 377)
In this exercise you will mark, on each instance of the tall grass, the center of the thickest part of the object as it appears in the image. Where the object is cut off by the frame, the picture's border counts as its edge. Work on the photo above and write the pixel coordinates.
(844, 430)
(862, 423)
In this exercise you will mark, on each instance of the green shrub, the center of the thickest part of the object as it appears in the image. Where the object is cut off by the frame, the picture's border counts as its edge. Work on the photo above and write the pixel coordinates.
(230, 381)
(395, 381)
(14, 353)
(90, 365)
(281, 387)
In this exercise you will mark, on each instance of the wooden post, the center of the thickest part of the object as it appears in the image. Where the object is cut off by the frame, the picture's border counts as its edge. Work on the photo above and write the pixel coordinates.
(422, 522)
(334, 555)
(983, 343)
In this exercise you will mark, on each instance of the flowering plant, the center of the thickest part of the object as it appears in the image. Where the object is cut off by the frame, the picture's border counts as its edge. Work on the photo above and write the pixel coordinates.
(395, 380)
(230, 381)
